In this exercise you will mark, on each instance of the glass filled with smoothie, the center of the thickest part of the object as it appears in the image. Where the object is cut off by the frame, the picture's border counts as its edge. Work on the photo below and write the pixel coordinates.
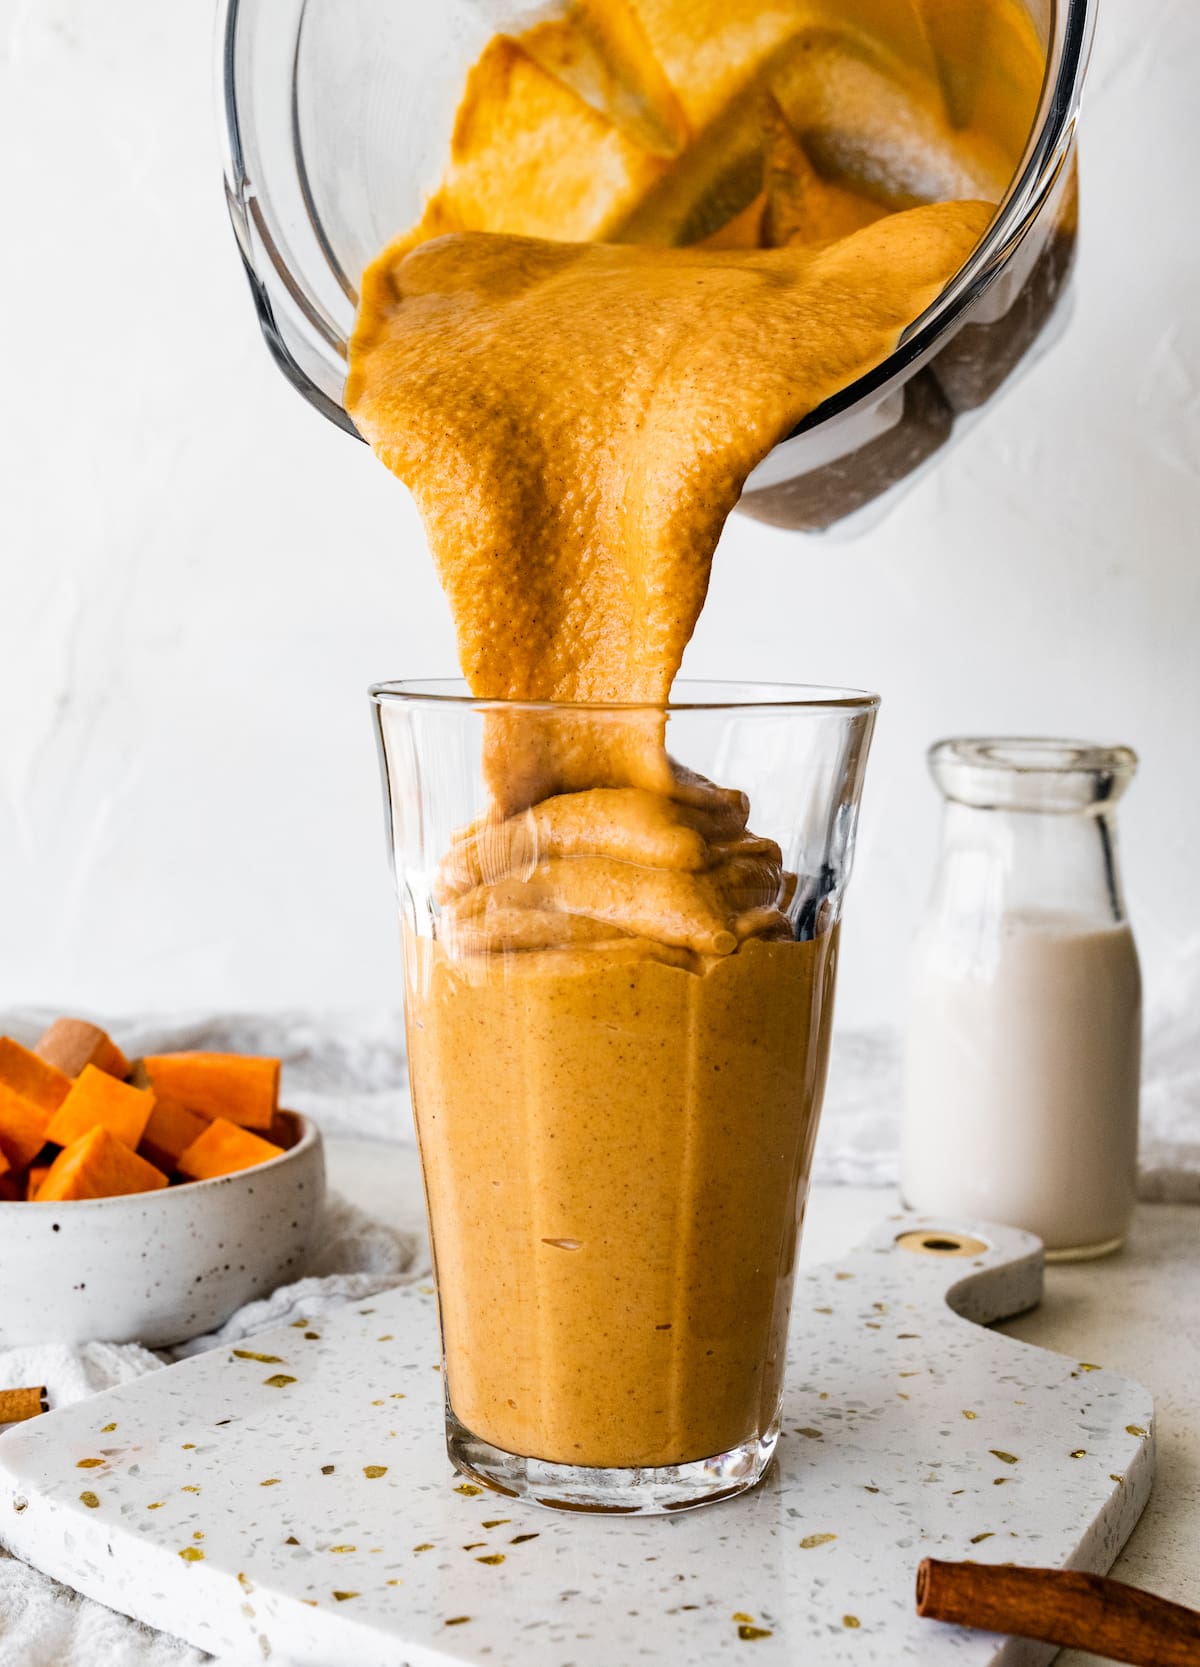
(620, 931)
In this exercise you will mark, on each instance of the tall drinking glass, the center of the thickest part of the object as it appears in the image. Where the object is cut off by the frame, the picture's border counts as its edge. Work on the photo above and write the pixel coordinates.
(620, 936)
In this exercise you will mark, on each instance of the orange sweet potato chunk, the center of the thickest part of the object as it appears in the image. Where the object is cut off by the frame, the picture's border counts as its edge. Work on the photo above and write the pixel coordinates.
(70, 1044)
(238, 1087)
(31, 1091)
(97, 1100)
(32, 1078)
(224, 1148)
(37, 1174)
(98, 1165)
(171, 1130)
(22, 1128)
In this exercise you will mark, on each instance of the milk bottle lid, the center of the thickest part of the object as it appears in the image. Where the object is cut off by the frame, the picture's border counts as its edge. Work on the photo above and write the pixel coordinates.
(1031, 773)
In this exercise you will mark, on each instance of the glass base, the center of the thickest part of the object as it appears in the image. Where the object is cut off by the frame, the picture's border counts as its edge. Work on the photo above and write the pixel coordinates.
(1086, 1252)
(649, 1491)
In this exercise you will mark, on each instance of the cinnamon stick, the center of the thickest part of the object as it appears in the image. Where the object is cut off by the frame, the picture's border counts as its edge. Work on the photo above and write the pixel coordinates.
(18, 1404)
(1062, 1606)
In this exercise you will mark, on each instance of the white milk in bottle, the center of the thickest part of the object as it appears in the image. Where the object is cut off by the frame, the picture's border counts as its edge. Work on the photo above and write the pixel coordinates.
(1024, 1033)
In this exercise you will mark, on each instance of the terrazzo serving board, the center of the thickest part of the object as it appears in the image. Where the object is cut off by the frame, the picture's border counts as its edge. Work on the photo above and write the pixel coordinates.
(292, 1503)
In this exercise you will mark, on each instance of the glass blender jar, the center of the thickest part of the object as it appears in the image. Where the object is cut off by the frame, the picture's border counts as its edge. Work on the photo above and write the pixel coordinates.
(336, 124)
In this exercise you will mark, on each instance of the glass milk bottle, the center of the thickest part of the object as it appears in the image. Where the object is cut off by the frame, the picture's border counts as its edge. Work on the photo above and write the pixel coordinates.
(1024, 1032)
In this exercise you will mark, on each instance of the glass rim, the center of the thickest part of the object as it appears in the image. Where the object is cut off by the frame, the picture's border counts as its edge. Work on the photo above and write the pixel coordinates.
(728, 695)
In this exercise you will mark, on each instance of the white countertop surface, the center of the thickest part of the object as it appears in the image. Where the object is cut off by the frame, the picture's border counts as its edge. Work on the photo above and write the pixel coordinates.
(1134, 1312)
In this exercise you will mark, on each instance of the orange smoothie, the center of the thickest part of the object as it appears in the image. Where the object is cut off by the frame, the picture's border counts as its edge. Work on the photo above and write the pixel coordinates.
(614, 1151)
(617, 1041)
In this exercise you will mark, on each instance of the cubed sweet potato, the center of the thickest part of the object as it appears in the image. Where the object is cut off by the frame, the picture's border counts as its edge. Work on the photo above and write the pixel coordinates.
(98, 1165)
(97, 1100)
(239, 1087)
(31, 1091)
(36, 1175)
(171, 1130)
(224, 1148)
(70, 1044)
(32, 1078)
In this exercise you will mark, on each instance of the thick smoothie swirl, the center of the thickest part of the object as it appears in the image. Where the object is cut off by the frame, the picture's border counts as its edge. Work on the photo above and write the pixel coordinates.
(616, 866)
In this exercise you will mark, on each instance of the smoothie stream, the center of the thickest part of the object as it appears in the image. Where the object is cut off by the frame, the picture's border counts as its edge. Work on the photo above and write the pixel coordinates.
(617, 1042)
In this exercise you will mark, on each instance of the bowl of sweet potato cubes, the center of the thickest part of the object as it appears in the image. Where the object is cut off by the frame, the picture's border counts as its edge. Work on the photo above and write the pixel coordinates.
(145, 1200)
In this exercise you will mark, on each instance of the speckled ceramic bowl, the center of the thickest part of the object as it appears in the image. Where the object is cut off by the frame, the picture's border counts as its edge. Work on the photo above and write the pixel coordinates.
(157, 1267)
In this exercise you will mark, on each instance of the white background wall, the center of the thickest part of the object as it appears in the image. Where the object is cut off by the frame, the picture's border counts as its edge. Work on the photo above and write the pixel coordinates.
(200, 576)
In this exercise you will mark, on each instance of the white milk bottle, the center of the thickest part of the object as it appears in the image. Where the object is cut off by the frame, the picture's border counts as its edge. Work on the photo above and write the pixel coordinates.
(1024, 1033)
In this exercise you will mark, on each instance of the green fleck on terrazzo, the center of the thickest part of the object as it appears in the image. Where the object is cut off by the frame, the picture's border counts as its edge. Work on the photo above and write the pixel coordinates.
(263, 1359)
(811, 1541)
(1005, 1458)
(192, 1554)
(89, 1499)
(372, 1471)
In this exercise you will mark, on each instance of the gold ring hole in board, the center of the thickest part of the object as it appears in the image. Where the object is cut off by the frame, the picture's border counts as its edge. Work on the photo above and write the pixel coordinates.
(932, 1242)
